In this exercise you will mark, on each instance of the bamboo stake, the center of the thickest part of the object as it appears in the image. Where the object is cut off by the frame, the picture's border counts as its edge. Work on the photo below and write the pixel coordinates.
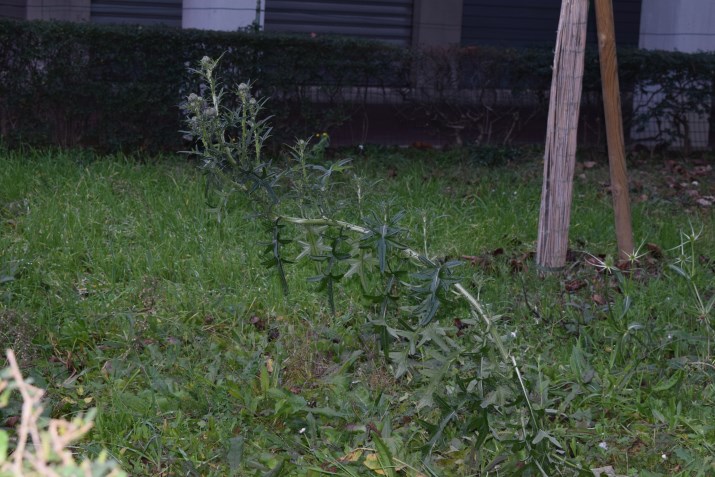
(562, 128)
(614, 126)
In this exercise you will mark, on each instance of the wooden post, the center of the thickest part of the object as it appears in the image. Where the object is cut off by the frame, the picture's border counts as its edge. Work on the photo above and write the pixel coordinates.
(562, 128)
(614, 126)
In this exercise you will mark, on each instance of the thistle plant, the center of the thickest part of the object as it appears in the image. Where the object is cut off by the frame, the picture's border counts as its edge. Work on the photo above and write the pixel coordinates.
(686, 265)
(298, 202)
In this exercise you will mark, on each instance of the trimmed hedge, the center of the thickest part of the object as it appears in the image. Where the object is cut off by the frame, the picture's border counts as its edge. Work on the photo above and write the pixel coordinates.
(121, 87)
(502, 90)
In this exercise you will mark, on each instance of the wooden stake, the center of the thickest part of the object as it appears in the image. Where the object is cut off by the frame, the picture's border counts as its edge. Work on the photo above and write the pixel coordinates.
(614, 126)
(562, 128)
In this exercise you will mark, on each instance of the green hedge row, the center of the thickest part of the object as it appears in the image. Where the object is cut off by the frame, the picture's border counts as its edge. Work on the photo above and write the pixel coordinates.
(121, 87)
(665, 96)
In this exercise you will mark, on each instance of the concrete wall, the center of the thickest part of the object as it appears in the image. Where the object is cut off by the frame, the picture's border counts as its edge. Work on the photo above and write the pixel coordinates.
(676, 25)
(16, 9)
(226, 15)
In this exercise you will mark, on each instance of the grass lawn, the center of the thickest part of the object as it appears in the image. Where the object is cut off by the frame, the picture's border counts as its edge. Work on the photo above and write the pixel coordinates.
(121, 290)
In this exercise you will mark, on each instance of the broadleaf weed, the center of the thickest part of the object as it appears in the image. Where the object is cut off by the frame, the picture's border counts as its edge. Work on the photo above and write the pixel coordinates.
(306, 188)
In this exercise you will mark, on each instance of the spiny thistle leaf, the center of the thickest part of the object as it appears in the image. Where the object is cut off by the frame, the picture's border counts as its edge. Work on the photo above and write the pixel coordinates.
(273, 248)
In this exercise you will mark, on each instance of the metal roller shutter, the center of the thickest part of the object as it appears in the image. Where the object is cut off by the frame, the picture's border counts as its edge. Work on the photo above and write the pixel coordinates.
(137, 12)
(534, 23)
(384, 20)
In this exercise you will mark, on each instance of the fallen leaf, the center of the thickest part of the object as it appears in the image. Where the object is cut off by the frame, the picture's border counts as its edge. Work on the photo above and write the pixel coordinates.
(623, 264)
(517, 265)
(595, 261)
(702, 170)
(607, 471)
(589, 164)
(574, 285)
(258, 322)
(706, 201)
(12, 421)
(654, 250)
(353, 456)
(107, 368)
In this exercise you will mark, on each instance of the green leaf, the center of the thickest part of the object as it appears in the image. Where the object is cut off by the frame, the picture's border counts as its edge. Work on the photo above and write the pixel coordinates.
(350, 361)
(580, 365)
(448, 414)
(235, 453)
(679, 271)
(325, 411)
(387, 465)
(667, 384)
(276, 471)
(436, 381)
(427, 309)
(480, 424)
(276, 260)
(541, 435)
(437, 335)
(4, 440)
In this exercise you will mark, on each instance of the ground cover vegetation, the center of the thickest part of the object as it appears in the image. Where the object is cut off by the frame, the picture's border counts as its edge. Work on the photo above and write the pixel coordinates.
(154, 290)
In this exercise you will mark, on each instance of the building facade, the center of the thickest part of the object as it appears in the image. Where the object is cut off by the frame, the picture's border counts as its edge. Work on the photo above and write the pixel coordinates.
(403, 22)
